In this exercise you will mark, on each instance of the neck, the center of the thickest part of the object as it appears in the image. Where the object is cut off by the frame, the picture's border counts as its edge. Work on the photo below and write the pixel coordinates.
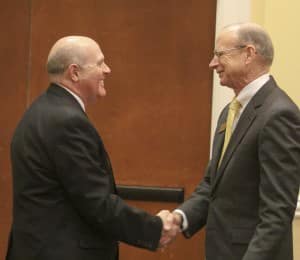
(69, 85)
(251, 76)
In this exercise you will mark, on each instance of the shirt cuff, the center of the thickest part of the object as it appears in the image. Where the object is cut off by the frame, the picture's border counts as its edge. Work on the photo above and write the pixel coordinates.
(185, 223)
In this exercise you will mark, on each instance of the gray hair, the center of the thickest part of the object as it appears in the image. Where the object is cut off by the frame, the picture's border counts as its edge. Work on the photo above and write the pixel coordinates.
(60, 59)
(250, 33)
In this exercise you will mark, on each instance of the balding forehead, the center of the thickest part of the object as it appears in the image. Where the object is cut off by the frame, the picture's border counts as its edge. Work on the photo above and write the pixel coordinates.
(74, 42)
(71, 49)
(227, 35)
(242, 26)
(76, 39)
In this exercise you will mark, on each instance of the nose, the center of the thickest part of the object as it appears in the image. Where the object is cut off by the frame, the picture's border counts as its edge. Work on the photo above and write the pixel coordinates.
(106, 69)
(214, 62)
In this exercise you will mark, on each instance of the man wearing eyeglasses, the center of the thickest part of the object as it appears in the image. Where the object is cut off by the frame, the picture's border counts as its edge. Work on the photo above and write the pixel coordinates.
(248, 196)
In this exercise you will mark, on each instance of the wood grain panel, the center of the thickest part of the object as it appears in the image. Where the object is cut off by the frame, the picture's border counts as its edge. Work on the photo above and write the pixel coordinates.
(14, 49)
(155, 120)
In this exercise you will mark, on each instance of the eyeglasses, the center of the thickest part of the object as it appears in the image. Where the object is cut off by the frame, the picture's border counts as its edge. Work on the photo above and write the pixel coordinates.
(221, 53)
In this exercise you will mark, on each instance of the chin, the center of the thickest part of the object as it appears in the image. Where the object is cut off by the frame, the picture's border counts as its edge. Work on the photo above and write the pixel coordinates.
(101, 92)
(222, 83)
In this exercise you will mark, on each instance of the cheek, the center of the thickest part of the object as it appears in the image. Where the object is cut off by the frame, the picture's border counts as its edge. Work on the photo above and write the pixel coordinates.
(225, 63)
(231, 66)
(95, 79)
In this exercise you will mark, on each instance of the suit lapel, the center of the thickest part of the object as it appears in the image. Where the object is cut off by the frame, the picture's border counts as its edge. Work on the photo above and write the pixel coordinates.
(68, 97)
(242, 127)
(109, 167)
(218, 144)
(247, 118)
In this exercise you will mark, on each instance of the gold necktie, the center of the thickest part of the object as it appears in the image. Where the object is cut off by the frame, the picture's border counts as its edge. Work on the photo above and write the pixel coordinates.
(234, 108)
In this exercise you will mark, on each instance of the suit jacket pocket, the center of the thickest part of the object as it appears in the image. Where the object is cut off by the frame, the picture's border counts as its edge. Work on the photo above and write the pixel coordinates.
(241, 235)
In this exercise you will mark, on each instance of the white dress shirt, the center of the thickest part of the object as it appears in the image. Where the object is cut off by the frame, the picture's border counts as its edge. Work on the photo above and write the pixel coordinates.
(247, 93)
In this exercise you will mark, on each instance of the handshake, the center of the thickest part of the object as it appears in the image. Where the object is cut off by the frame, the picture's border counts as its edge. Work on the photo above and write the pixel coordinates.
(171, 226)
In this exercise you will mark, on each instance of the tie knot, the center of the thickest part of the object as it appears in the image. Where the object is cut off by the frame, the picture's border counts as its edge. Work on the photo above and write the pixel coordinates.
(235, 105)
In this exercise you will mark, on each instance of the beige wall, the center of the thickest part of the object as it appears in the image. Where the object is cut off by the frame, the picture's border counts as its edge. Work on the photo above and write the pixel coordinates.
(281, 19)
(296, 238)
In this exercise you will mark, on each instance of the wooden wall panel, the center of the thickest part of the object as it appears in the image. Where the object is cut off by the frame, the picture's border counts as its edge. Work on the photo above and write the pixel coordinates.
(158, 106)
(14, 52)
(155, 120)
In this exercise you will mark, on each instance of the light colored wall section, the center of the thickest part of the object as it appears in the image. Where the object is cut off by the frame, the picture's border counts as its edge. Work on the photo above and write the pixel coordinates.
(296, 238)
(228, 11)
(258, 11)
(296, 229)
(281, 20)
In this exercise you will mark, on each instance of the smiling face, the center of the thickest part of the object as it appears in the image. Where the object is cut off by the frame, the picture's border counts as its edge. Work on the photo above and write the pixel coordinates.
(92, 74)
(77, 63)
(229, 60)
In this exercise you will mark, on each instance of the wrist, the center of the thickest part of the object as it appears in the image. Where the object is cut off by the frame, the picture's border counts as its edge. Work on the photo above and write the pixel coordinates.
(178, 219)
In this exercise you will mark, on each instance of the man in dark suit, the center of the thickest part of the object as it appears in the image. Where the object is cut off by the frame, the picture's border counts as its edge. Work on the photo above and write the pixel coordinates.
(65, 204)
(248, 196)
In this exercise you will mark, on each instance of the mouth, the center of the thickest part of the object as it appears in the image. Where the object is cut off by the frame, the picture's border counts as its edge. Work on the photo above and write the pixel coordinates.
(102, 90)
(219, 73)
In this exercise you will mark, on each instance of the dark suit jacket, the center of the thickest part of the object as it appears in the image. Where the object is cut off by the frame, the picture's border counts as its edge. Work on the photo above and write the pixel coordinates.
(248, 203)
(65, 204)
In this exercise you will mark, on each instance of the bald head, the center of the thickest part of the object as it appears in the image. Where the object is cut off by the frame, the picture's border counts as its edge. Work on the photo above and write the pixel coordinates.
(69, 50)
(77, 63)
(251, 33)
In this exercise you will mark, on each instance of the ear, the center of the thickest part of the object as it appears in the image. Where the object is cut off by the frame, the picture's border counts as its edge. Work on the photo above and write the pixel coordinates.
(250, 53)
(73, 71)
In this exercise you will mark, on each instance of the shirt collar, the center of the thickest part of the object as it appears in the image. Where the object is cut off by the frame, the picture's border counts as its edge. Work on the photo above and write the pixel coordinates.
(79, 100)
(250, 90)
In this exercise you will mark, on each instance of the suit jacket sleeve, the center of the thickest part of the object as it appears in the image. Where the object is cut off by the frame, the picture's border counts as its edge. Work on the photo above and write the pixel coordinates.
(279, 153)
(196, 207)
(80, 167)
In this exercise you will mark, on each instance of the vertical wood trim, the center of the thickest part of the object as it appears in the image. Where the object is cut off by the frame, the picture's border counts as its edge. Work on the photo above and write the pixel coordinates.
(29, 61)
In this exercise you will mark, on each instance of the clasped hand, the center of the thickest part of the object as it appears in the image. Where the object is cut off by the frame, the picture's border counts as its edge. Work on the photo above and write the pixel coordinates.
(171, 227)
